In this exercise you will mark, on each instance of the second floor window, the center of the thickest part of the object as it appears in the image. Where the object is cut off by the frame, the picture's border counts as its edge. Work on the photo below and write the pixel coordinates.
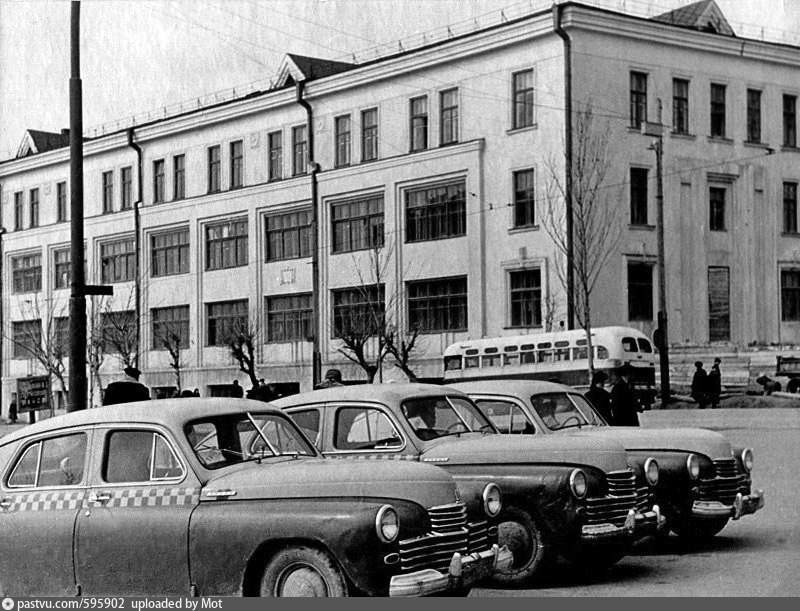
(357, 225)
(126, 179)
(640, 291)
(108, 192)
(419, 124)
(275, 144)
(224, 321)
(342, 128)
(118, 261)
(179, 177)
(790, 207)
(288, 235)
(716, 201)
(170, 253)
(369, 134)
(525, 298)
(717, 111)
(34, 207)
(27, 338)
(436, 212)
(61, 202)
(638, 98)
(790, 121)
(226, 244)
(170, 327)
(524, 202)
(237, 164)
(358, 311)
(638, 196)
(19, 210)
(680, 106)
(753, 115)
(436, 306)
(158, 181)
(26, 273)
(299, 150)
(62, 268)
(289, 318)
(523, 99)
(213, 169)
(448, 108)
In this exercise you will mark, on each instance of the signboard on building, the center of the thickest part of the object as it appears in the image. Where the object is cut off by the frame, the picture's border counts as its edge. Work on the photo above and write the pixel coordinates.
(33, 394)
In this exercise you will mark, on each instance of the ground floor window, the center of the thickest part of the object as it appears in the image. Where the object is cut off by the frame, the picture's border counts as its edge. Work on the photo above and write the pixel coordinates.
(224, 320)
(525, 298)
(640, 290)
(289, 318)
(438, 305)
(790, 295)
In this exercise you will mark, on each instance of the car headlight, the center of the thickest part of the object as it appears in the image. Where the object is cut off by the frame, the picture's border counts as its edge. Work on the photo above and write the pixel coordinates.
(492, 500)
(651, 471)
(577, 483)
(387, 524)
(693, 466)
(747, 459)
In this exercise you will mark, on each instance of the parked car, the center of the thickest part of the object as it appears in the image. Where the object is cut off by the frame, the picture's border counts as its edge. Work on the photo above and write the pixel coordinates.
(224, 497)
(569, 496)
(703, 481)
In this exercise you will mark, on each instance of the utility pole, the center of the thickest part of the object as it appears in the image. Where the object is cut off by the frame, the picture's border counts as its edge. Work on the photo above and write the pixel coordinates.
(661, 335)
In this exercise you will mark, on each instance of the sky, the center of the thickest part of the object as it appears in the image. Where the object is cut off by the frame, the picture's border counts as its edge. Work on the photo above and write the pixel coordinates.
(142, 55)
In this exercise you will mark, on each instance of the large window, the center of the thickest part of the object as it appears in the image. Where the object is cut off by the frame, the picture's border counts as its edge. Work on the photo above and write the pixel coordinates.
(717, 111)
(436, 306)
(58, 461)
(525, 298)
(716, 205)
(418, 129)
(790, 207)
(108, 192)
(638, 98)
(170, 324)
(139, 456)
(369, 134)
(237, 164)
(214, 164)
(289, 235)
(34, 208)
(62, 268)
(179, 177)
(289, 318)
(448, 112)
(790, 121)
(225, 320)
(357, 224)
(27, 338)
(126, 179)
(790, 295)
(342, 129)
(364, 428)
(158, 181)
(524, 201)
(436, 212)
(226, 244)
(61, 202)
(640, 291)
(26, 273)
(118, 260)
(638, 196)
(170, 253)
(753, 115)
(275, 145)
(118, 331)
(60, 334)
(299, 150)
(358, 311)
(523, 99)
(680, 106)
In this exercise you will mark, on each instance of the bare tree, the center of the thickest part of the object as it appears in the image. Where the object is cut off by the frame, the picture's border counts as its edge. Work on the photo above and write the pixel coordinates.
(596, 214)
(402, 346)
(119, 334)
(95, 346)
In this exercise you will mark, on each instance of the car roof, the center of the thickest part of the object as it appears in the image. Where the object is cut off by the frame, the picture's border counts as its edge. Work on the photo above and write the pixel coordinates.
(384, 393)
(171, 413)
(511, 387)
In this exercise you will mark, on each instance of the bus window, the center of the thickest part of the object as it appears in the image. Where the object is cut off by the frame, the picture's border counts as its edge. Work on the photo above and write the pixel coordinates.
(545, 356)
(580, 353)
(644, 345)
(490, 360)
(470, 362)
(510, 359)
(562, 351)
(452, 363)
(601, 352)
(527, 357)
(629, 344)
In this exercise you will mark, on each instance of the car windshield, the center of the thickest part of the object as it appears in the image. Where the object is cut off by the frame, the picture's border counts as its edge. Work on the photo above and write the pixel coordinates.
(434, 417)
(557, 411)
(588, 411)
(230, 439)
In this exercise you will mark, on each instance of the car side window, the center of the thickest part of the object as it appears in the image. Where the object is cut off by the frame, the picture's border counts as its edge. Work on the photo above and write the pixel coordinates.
(365, 428)
(58, 461)
(507, 416)
(309, 421)
(139, 456)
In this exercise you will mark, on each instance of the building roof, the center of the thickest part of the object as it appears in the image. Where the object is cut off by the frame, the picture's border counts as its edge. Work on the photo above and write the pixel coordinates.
(35, 141)
(295, 68)
(705, 16)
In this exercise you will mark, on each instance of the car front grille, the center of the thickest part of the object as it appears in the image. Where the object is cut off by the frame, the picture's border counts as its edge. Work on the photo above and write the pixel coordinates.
(448, 518)
(726, 484)
(614, 507)
(644, 499)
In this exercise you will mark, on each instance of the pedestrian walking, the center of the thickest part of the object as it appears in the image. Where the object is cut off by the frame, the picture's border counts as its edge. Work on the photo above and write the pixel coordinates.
(700, 385)
(12, 409)
(333, 377)
(624, 405)
(714, 383)
(237, 392)
(127, 390)
(599, 397)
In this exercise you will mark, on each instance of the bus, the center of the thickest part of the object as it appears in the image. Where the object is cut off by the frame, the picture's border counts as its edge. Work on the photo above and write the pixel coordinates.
(560, 356)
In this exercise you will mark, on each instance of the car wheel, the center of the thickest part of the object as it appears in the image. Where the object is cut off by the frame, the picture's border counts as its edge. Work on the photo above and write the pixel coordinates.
(302, 571)
(519, 530)
(690, 530)
(793, 385)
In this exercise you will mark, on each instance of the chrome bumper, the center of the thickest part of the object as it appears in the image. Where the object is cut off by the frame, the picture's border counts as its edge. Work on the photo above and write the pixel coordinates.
(636, 525)
(463, 572)
(742, 506)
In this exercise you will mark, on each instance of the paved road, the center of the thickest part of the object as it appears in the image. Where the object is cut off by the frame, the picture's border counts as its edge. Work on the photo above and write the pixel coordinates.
(757, 556)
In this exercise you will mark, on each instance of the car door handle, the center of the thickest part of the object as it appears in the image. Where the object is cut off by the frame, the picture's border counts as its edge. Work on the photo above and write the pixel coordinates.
(99, 497)
(5, 503)
(218, 493)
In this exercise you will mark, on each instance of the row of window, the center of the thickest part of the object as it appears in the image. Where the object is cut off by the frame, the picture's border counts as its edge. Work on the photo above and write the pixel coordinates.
(718, 110)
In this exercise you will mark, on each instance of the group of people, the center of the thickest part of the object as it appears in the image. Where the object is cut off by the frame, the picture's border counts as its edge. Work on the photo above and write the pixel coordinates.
(707, 386)
(621, 406)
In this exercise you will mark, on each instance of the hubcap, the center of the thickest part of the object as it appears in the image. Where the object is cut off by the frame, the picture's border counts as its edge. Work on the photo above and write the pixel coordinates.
(518, 540)
(301, 580)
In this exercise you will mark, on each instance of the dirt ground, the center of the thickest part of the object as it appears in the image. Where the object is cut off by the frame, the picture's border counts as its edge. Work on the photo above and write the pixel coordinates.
(741, 401)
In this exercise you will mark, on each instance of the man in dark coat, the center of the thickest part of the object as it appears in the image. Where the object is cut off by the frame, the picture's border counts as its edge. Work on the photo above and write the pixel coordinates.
(700, 385)
(599, 397)
(333, 378)
(714, 381)
(238, 391)
(128, 390)
(624, 406)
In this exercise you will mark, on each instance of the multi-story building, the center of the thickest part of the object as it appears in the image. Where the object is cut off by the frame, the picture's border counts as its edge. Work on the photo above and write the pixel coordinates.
(434, 169)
